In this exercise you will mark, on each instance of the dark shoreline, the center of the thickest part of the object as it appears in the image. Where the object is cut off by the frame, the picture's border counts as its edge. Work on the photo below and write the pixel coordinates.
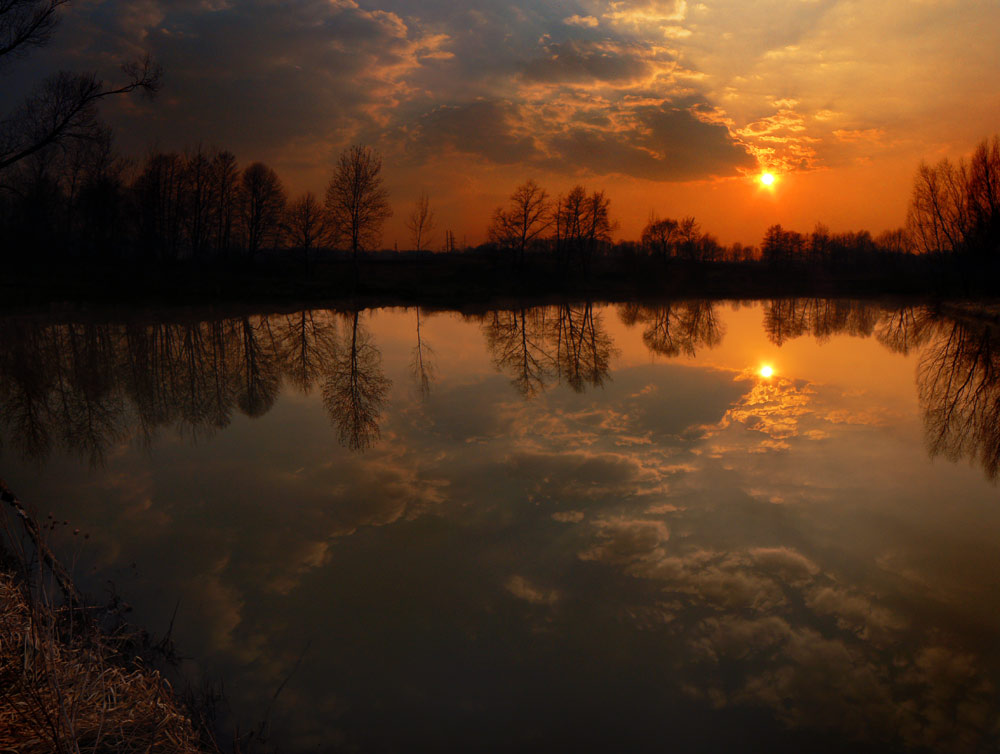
(474, 282)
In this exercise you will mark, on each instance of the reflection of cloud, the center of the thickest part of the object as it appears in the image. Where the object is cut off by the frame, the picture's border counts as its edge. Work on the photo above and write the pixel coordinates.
(604, 504)
(524, 590)
(627, 542)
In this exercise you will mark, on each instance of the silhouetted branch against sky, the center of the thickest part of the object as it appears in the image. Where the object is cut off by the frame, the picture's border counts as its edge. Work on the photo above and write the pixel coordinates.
(63, 106)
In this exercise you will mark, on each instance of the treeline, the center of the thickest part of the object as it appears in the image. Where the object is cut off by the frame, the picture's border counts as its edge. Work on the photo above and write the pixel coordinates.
(80, 199)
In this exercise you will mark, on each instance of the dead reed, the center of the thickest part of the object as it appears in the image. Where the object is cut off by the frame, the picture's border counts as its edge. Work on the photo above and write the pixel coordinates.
(65, 686)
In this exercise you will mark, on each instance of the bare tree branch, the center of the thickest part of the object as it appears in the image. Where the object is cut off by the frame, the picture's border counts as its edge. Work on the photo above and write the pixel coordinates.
(65, 107)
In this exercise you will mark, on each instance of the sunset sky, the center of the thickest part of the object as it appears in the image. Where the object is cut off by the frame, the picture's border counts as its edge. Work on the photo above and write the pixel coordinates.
(669, 106)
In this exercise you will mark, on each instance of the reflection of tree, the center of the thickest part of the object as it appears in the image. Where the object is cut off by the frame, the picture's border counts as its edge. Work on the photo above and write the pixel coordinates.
(87, 387)
(958, 377)
(786, 319)
(422, 363)
(257, 388)
(307, 343)
(517, 341)
(536, 347)
(959, 387)
(87, 408)
(903, 329)
(355, 389)
(676, 328)
(583, 348)
(25, 388)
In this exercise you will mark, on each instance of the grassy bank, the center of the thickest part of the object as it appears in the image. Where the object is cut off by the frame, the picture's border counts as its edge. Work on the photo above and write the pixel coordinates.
(67, 685)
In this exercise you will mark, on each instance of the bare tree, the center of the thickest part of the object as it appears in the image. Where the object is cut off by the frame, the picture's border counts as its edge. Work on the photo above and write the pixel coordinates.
(224, 191)
(420, 223)
(307, 225)
(262, 202)
(64, 107)
(158, 191)
(357, 202)
(197, 182)
(582, 224)
(659, 237)
(526, 217)
(25, 24)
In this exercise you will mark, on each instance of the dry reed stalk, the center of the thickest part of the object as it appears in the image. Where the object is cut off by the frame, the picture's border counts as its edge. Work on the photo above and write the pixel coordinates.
(64, 688)
(60, 694)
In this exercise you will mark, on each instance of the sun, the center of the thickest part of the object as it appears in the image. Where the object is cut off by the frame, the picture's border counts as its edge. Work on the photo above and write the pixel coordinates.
(767, 179)
(767, 371)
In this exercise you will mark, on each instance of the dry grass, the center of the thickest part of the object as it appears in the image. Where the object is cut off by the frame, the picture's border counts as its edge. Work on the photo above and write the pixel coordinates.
(65, 686)
(62, 690)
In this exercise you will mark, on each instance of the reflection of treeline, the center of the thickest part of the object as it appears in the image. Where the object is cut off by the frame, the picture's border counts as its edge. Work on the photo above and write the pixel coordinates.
(676, 327)
(89, 387)
(540, 346)
(958, 377)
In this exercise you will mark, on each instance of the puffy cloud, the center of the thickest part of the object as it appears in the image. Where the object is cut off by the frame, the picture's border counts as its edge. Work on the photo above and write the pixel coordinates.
(577, 20)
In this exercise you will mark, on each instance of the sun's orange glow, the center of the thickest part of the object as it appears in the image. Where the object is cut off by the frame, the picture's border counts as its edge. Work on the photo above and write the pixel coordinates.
(767, 371)
(767, 179)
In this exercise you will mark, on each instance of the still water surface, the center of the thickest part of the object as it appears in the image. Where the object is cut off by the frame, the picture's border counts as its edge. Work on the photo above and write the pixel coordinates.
(561, 528)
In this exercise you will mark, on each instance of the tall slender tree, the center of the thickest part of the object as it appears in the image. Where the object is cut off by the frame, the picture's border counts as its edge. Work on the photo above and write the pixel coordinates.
(420, 223)
(357, 201)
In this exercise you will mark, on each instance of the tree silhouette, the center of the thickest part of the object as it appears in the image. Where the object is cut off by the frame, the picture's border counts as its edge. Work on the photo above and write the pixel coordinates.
(955, 207)
(582, 224)
(659, 237)
(524, 219)
(64, 106)
(262, 206)
(420, 223)
(308, 225)
(357, 201)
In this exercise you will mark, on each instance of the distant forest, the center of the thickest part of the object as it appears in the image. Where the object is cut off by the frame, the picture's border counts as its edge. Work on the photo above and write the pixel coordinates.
(79, 198)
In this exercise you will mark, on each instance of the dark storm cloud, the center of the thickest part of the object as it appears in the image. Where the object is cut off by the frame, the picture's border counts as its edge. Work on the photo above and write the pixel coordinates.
(293, 83)
(666, 145)
(255, 75)
(584, 61)
(486, 129)
(658, 143)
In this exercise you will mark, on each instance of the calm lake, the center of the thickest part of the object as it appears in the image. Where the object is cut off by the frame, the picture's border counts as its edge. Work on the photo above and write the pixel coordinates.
(555, 529)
